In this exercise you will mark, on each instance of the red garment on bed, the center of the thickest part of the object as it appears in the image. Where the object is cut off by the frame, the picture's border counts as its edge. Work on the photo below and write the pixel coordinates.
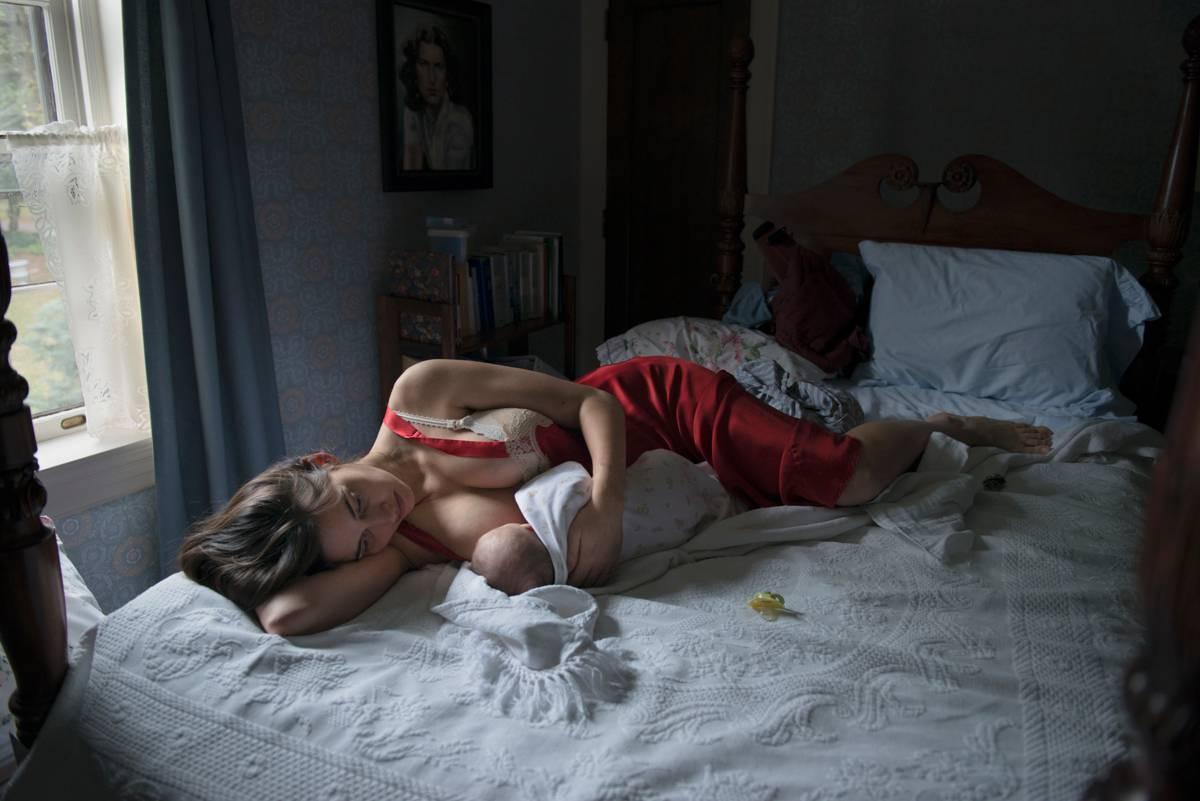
(758, 453)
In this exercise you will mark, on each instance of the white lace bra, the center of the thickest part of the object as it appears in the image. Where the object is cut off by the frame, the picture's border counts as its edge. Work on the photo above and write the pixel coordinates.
(516, 428)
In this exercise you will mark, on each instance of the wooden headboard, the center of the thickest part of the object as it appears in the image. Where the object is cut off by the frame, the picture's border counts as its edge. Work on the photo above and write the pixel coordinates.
(1162, 685)
(1009, 212)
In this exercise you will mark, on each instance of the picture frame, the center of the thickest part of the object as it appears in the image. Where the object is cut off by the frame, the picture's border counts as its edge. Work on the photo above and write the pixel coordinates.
(435, 94)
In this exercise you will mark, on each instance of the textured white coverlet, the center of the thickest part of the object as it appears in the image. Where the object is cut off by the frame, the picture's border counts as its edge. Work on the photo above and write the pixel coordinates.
(991, 677)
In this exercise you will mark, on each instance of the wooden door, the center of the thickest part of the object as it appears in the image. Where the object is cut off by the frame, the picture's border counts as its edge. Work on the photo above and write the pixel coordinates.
(668, 110)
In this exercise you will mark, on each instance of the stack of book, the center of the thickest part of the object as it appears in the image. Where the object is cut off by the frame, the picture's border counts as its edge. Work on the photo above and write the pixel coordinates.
(515, 280)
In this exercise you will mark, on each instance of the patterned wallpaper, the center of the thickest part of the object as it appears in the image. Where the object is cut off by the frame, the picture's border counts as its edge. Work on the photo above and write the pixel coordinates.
(113, 547)
(1081, 98)
(309, 94)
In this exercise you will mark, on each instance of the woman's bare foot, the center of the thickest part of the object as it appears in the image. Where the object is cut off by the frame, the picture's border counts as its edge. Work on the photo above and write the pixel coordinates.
(1017, 437)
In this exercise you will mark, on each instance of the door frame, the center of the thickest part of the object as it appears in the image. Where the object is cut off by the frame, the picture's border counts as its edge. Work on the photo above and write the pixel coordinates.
(593, 153)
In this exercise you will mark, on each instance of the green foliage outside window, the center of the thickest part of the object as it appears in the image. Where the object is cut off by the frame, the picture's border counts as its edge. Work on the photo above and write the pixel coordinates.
(26, 89)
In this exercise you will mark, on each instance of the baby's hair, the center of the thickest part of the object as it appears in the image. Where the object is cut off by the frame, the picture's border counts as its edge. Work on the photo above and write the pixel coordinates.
(266, 536)
(512, 561)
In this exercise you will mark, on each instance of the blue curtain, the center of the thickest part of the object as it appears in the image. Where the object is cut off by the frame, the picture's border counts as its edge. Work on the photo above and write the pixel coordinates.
(213, 400)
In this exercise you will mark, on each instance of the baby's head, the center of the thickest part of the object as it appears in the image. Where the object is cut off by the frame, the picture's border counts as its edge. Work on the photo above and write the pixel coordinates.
(512, 559)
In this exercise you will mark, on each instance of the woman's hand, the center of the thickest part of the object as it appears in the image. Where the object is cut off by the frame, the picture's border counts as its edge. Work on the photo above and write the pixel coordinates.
(594, 543)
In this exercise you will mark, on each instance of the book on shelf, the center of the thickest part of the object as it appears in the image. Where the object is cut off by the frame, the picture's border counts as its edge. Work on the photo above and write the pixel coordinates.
(466, 322)
(481, 285)
(527, 298)
(518, 284)
(515, 280)
(552, 242)
(503, 285)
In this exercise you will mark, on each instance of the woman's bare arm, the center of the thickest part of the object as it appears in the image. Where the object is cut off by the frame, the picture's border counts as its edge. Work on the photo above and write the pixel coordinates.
(451, 388)
(335, 596)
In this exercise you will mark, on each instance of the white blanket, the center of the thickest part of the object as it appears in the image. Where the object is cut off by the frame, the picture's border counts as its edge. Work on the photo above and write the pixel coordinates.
(550, 629)
(994, 676)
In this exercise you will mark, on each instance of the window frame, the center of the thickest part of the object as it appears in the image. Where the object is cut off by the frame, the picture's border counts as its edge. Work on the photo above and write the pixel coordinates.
(62, 39)
(80, 473)
(67, 74)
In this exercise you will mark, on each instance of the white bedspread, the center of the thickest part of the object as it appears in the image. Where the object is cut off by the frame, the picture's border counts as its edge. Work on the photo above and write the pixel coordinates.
(994, 675)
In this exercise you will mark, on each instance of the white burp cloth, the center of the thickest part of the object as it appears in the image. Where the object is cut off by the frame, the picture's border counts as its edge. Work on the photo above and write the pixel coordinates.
(549, 502)
(667, 500)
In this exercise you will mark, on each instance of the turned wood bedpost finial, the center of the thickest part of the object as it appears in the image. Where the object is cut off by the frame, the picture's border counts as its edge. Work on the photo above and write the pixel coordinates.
(1172, 213)
(733, 189)
(33, 628)
(1166, 231)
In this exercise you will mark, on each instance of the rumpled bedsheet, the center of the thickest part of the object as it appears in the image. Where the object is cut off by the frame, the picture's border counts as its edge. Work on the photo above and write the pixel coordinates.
(993, 675)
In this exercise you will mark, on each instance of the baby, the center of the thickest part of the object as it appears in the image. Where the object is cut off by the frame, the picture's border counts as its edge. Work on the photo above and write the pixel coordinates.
(667, 500)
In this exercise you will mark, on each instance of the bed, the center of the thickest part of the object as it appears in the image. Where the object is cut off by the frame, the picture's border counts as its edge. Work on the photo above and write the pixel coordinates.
(993, 626)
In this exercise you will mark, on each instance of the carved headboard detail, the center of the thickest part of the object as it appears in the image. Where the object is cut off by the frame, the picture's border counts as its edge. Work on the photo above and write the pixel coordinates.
(1011, 213)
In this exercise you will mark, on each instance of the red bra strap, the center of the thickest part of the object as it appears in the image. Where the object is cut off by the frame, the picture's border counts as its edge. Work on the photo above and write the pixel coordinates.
(458, 447)
(423, 538)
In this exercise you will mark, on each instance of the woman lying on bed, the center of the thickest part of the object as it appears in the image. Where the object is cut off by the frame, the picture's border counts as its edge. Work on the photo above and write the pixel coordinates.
(309, 543)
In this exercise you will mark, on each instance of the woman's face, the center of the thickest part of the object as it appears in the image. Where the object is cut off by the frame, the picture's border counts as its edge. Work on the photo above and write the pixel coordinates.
(371, 504)
(431, 73)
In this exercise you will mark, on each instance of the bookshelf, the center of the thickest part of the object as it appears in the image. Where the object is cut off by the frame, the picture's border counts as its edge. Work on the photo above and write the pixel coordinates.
(390, 310)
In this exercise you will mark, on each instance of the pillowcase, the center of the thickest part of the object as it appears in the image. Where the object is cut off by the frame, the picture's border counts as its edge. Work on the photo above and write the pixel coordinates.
(711, 343)
(1045, 331)
(815, 310)
(83, 612)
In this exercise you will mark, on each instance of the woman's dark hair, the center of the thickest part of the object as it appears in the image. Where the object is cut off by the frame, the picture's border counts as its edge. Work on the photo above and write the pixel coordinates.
(408, 70)
(265, 537)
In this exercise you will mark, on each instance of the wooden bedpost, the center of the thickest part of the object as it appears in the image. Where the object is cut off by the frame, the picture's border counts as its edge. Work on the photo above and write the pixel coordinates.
(1162, 683)
(1166, 232)
(728, 276)
(1173, 206)
(33, 623)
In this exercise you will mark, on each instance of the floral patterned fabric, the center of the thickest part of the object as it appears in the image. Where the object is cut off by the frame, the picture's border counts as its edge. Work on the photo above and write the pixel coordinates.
(716, 345)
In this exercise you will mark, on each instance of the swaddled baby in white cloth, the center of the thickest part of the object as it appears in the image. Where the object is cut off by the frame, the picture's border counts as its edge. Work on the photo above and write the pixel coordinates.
(667, 501)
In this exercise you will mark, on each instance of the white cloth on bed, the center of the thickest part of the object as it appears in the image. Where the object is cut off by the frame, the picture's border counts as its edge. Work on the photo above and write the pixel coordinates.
(928, 506)
(917, 403)
(667, 499)
(550, 629)
(997, 676)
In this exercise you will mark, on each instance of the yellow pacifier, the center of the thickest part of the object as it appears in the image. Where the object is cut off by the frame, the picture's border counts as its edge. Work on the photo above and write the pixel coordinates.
(770, 605)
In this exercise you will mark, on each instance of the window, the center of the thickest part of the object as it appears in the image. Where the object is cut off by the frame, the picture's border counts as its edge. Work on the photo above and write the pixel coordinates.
(60, 60)
(40, 77)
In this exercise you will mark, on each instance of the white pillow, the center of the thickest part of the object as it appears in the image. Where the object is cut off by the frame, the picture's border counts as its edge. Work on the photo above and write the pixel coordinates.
(711, 343)
(1046, 331)
(83, 612)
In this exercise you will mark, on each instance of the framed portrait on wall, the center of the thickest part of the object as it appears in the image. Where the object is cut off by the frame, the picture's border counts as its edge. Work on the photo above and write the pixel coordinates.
(435, 94)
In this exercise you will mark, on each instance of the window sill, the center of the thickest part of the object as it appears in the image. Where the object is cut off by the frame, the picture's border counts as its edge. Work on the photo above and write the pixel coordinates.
(80, 473)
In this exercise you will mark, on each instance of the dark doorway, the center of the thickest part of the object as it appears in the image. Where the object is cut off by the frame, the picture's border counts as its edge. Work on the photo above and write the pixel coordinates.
(668, 111)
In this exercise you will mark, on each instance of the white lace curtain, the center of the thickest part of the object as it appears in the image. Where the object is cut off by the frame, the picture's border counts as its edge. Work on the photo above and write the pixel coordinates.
(75, 182)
